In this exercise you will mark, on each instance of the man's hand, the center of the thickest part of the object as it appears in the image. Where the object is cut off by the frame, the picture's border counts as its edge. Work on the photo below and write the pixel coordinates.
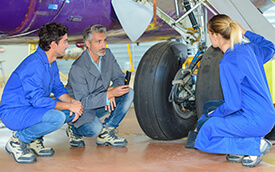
(118, 91)
(69, 103)
(76, 108)
(110, 88)
(112, 93)
(112, 105)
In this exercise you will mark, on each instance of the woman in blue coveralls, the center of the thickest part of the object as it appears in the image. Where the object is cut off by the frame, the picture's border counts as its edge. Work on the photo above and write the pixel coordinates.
(237, 126)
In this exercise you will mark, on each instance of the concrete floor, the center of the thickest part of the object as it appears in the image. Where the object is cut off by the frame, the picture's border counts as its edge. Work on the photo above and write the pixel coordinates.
(141, 155)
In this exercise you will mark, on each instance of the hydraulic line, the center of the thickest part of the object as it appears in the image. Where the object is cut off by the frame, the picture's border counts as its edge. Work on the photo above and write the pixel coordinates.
(191, 16)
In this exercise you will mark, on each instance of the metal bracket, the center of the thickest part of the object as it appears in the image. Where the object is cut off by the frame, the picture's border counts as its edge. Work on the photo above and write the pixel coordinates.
(184, 32)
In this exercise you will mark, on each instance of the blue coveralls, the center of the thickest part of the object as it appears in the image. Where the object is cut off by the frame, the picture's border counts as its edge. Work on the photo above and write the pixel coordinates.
(237, 126)
(26, 98)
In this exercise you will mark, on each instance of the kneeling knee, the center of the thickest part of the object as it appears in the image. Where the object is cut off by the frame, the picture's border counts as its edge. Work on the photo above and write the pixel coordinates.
(95, 130)
(55, 117)
(130, 95)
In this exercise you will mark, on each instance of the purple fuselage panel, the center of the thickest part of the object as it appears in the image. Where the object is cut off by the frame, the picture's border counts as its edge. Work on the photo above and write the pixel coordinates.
(19, 16)
(20, 20)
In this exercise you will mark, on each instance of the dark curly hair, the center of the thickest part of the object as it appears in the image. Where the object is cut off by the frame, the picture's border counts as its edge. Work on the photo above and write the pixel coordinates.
(51, 32)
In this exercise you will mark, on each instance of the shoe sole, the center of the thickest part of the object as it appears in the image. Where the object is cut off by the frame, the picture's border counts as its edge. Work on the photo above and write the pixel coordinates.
(258, 160)
(109, 144)
(234, 161)
(21, 162)
(78, 145)
(41, 154)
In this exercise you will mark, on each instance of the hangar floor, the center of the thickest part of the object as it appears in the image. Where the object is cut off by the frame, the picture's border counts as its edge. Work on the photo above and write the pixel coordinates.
(141, 154)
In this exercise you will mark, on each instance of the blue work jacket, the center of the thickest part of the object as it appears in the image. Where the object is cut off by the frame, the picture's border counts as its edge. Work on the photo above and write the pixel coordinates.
(247, 114)
(26, 96)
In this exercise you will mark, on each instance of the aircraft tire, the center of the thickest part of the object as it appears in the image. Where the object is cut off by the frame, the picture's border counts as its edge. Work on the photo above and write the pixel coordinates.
(153, 83)
(208, 85)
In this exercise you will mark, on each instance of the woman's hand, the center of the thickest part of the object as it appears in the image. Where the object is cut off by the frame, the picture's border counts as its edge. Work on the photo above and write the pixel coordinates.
(241, 27)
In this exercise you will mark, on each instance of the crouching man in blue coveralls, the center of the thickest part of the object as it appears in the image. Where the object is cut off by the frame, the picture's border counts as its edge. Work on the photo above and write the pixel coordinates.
(26, 106)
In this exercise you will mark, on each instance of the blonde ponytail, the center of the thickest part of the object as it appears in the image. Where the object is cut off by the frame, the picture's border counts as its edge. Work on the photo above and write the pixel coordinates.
(226, 27)
(235, 34)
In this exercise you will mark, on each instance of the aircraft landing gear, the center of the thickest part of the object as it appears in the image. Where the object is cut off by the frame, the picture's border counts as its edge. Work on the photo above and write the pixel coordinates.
(164, 120)
(158, 118)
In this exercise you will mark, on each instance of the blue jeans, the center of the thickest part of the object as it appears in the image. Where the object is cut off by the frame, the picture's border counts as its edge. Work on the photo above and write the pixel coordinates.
(208, 107)
(92, 129)
(53, 119)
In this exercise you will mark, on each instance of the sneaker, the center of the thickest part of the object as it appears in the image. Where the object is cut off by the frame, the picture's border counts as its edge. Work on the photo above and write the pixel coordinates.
(265, 146)
(251, 161)
(108, 137)
(75, 140)
(19, 150)
(234, 158)
(37, 147)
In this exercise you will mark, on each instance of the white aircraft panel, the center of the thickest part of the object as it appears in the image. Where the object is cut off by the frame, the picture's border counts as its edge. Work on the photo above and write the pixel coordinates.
(247, 15)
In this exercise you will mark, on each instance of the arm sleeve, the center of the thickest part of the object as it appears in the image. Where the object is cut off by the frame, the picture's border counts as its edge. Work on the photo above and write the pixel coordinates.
(265, 48)
(32, 82)
(118, 76)
(79, 85)
(107, 100)
(231, 79)
(58, 87)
